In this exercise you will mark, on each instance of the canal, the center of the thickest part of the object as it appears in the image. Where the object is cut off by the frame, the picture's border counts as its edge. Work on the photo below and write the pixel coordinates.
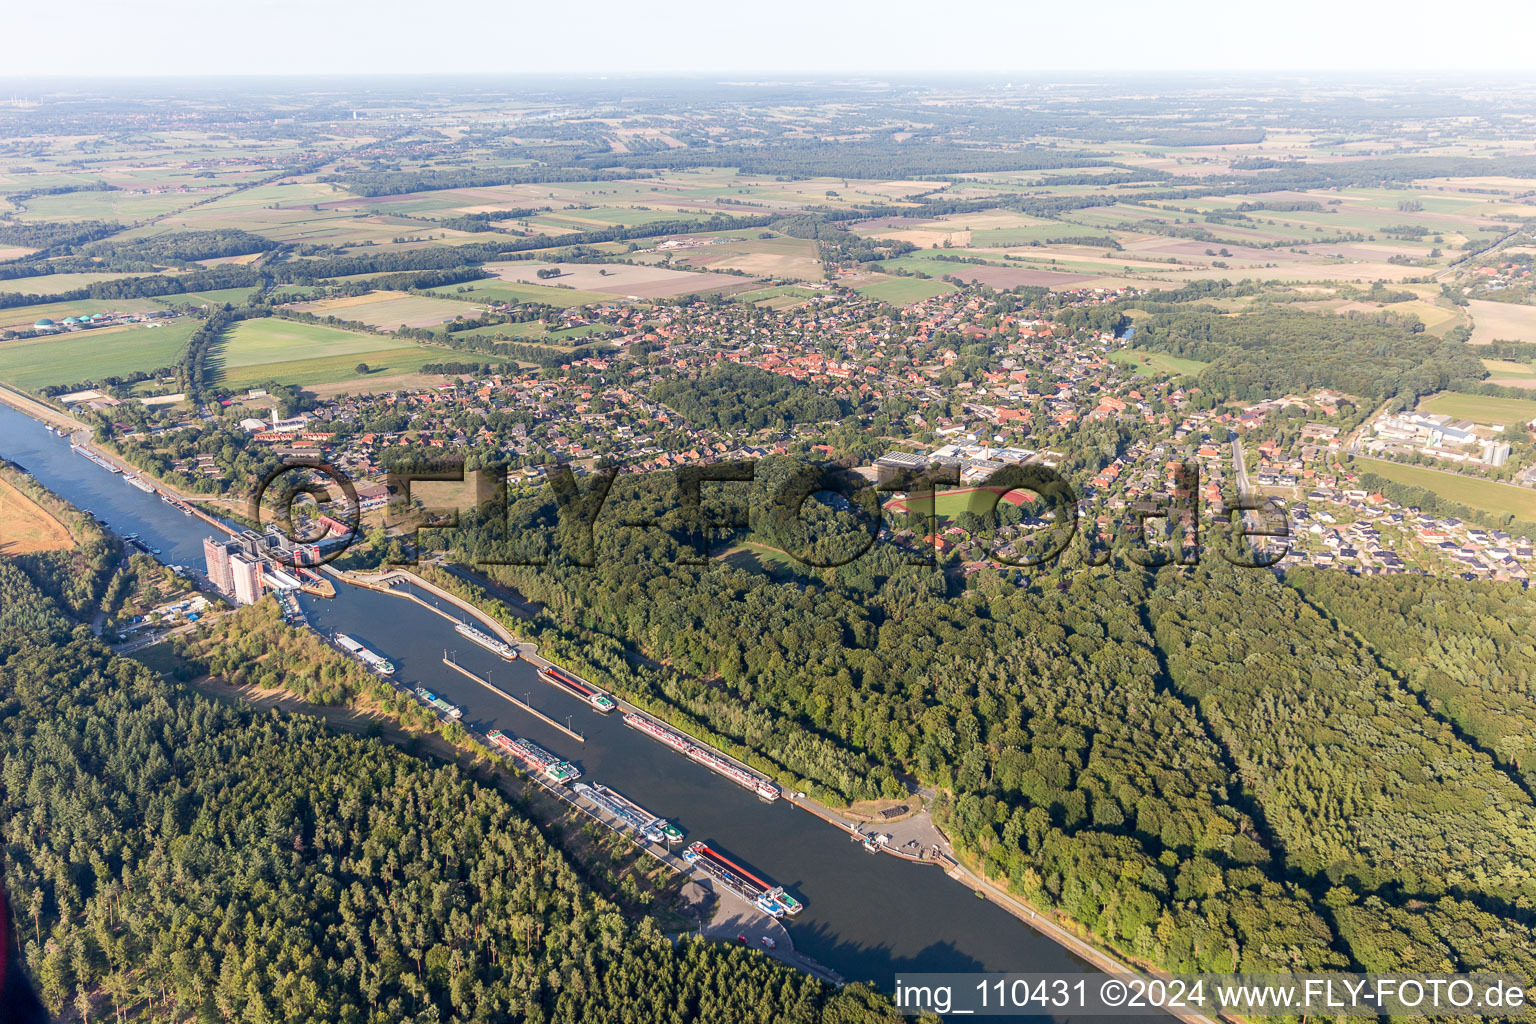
(869, 917)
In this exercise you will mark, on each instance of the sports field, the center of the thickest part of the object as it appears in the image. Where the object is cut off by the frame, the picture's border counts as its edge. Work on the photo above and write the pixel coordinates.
(1488, 495)
(1149, 363)
(953, 503)
(779, 297)
(92, 355)
(1481, 408)
(25, 527)
(256, 351)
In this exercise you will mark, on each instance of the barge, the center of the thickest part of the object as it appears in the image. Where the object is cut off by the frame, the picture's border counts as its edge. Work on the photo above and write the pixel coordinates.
(437, 703)
(716, 762)
(557, 676)
(504, 650)
(766, 896)
(383, 666)
(624, 813)
(534, 757)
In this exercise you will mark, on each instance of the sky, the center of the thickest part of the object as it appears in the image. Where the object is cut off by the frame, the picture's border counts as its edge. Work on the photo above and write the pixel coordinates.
(199, 37)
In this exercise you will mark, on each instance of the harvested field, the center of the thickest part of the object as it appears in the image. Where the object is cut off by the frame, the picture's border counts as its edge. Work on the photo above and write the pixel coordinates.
(622, 279)
(25, 527)
(387, 309)
(1501, 321)
(782, 257)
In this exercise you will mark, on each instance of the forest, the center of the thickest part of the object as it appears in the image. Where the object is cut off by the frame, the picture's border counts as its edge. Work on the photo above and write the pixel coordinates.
(1267, 353)
(1211, 768)
(174, 857)
(743, 397)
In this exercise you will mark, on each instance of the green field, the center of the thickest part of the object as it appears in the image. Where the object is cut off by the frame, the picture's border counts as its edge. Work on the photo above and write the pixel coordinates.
(752, 556)
(234, 296)
(778, 297)
(1150, 363)
(1482, 408)
(532, 333)
(57, 284)
(1509, 368)
(508, 291)
(256, 351)
(951, 504)
(92, 355)
(903, 291)
(1488, 495)
(118, 205)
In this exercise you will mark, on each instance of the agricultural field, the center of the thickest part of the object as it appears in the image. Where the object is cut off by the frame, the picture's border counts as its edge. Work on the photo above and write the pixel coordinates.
(388, 310)
(1509, 373)
(533, 332)
(989, 229)
(996, 274)
(780, 257)
(256, 351)
(34, 363)
(25, 527)
(1483, 409)
(121, 206)
(1487, 495)
(504, 291)
(55, 284)
(622, 280)
(903, 291)
(218, 297)
(1501, 321)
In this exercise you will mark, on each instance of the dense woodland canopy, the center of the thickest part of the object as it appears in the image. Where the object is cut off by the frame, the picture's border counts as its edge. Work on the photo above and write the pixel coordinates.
(735, 397)
(1272, 352)
(1203, 766)
(174, 857)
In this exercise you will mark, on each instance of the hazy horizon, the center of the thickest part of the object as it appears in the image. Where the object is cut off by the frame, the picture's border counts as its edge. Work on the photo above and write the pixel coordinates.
(179, 38)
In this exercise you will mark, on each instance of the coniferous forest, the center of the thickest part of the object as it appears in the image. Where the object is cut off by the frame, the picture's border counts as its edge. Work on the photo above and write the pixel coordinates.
(1210, 768)
(170, 857)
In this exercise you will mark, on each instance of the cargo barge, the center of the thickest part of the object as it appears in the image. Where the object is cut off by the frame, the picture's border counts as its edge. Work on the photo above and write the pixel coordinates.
(767, 897)
(704, 756)
(437, 703)
(133, 481)
(534, 757)
(504, 650)
(625, 813)
(103, 463)
(383, 666)
(556, 676)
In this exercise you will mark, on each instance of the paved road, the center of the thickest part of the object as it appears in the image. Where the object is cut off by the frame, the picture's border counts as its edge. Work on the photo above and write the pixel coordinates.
(1240, 468)
(139, 643)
